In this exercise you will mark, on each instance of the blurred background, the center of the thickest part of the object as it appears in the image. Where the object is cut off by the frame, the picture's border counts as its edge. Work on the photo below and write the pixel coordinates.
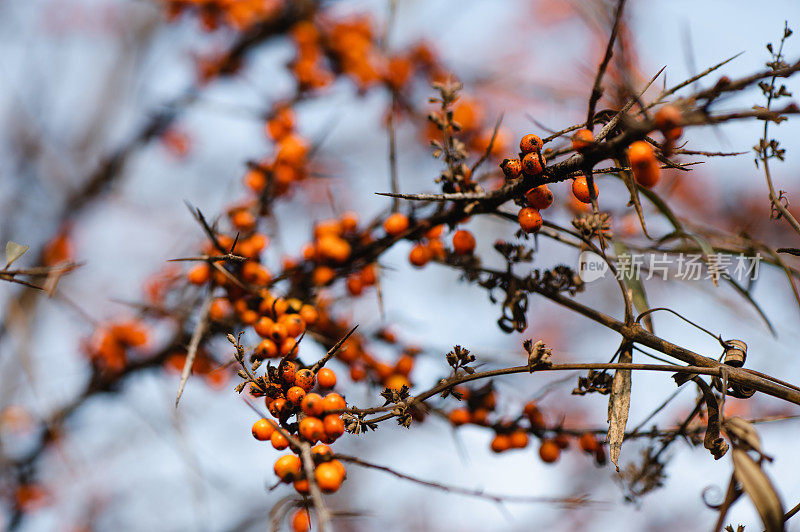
(80, 78)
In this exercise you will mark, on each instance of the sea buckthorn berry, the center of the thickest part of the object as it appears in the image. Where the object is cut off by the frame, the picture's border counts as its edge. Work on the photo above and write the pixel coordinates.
(278, 407)
(436, 249)
(305, 379)
(334, 248)
(301, 487)
(295, 395)
(220, 309)
(397, 381)
(549, 451)
(354, 284)
(561, 440)
(534, 415)
(420, 255)
(532, 164)
(326, 378)
(199, 274)
(358, 373)
(312, 429)
(459, 416)
(288, 348)
(301, 522)
(321, 453)
(349, 221)
(295, 325)
(518, 439)
(500, 443)
(395, 224)
(511, 168)
(329, 476)
(539, 197)
(323, 275)
(266, 348)
(480, 416)
(643, 163)
(288, 467)
(383, 370)
(309, 314)
(279, 441)
(312, 404)
(369, 275)
(404, 365)
(580, 189)
(667, 119)
(243, 219)
(463, 242)
(334, 425)
(530, 143)
(287, 370)
(255, 273)
(333, 402)
(263, 429)
(278, 333)
(588, 442)
(434, 232)
(529, 219)
(582, 139)
(263, 327)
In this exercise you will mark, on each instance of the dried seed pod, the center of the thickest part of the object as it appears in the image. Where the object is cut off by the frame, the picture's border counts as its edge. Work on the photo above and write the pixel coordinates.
(735, 353)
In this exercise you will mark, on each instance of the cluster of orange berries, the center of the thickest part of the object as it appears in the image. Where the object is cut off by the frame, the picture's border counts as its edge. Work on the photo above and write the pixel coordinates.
(511, 435)
(108, 347)
(232, 274)
(213, 374)
(530, 163)
(332, 246)
(288, 163)
(289, 393)
(238, 14)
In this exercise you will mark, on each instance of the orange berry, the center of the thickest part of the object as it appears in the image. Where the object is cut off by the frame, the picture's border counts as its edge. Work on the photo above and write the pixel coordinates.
(301, 486)
(321, 452)
(243, 219)
(333, 402)
(263, 327)
(278, 407)
(582, 139)
(500, 443)
(326, 378)
(667, 119)
(329, 476)
(286, 371)
(395, 224)
(529, 219)
(199, 274)
(404, 365)
(463, 242)
(420, 255)
(436, 249)
(643, 163)
(434, 232)
(323, 275)
(311, 428)
(518, 439)
(580, 189)
(549, 451)
(532, 163)
(220, 309)
(640, 153)
(334, 248)
(295, 325)
(288, 467)
(588, 442)
(312, 404)
(279, 441)
(334, 426)
(530, 143)
(357, 373)
(368, 275)
(295, 395)
(459, 416)
(349, 221)
(262, 429)
(305, 379)
(354, 284)
(301, 522)
(511, 168)
(309, 314)
(539, 197)
(266, 348)
(480, 416)
(397, 381)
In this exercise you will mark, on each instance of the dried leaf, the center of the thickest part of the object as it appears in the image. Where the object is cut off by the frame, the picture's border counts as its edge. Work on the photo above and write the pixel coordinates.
(14, 251)
(760, 490)
(619, 403)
